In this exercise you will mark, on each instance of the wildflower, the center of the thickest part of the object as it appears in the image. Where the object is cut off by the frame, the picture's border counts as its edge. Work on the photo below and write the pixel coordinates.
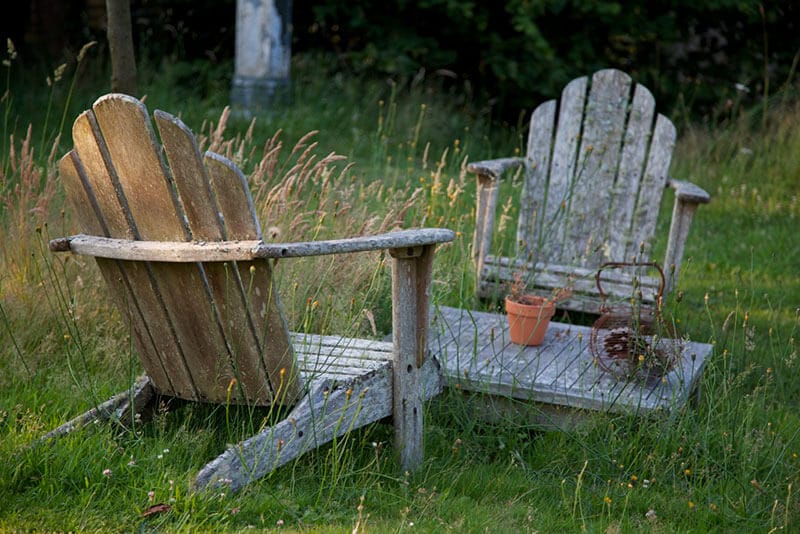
(687, 472)
(651, 515)
(151, 496)
(607, 499)
(132, 462)
(645, 483)
(234, 511)
(279, 522)
(107, 473)
(691, 505)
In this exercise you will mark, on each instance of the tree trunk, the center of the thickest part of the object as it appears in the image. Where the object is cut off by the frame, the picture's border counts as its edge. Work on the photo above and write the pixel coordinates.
(120, 44)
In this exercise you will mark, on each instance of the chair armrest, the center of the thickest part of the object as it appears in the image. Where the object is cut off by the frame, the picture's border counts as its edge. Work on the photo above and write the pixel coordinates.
(205, 251)
(494, 168)
(688, 192)
(391, 240)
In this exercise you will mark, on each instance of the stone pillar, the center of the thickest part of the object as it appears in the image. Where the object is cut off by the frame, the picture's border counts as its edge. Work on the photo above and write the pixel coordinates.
(263, 53)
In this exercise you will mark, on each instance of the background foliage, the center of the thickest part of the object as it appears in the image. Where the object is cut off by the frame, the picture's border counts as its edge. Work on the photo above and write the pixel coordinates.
(521, 51)
(510, 54)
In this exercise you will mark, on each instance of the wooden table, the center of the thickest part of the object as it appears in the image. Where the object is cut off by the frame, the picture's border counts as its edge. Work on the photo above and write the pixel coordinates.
(476, 355)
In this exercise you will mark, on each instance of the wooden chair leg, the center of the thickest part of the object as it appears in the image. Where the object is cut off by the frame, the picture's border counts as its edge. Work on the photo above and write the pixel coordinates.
(411, 276)
(324, 413)
(117, 408)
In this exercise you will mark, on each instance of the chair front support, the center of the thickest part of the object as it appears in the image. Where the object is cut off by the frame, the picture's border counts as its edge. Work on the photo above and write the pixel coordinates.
(411, 277)
(488, 174)
(687, 197)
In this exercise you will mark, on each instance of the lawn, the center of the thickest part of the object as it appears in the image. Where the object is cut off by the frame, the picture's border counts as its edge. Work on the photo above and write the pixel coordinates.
(728, 464)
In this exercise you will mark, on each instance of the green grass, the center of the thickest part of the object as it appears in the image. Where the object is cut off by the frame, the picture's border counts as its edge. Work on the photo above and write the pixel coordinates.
(729, 464)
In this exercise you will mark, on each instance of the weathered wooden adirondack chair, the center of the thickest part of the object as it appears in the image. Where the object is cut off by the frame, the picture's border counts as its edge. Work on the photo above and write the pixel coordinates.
(594, 174)
(181, 251)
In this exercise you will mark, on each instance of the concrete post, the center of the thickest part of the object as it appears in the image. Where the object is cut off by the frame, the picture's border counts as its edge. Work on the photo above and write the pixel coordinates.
(263, 53)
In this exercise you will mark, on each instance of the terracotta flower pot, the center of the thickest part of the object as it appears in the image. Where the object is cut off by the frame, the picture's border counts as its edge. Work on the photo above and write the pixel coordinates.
(528, 319)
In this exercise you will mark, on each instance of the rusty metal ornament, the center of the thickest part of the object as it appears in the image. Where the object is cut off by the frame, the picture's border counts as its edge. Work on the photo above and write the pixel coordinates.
(633, 342)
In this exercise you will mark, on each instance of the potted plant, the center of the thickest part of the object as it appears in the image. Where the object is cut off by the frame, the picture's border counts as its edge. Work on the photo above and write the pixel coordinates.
(528, 314)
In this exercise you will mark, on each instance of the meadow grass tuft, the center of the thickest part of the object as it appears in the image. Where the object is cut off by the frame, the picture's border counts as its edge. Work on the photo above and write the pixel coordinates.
(384, 156)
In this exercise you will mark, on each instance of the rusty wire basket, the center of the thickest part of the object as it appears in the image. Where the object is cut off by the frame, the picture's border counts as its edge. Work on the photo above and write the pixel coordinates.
(632, 341)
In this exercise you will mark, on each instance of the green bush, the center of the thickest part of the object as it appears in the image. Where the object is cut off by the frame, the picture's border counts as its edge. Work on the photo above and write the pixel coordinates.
(522, 51)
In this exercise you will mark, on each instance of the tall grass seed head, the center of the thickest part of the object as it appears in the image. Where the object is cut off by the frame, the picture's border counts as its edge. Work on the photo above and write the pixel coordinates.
(11, 49)
(84, 49)
(58, 74)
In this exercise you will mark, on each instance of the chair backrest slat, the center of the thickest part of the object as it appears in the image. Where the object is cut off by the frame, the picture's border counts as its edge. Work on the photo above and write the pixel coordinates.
(196, 326)
(191, 180)
(533, 201)
(562, 170)
(631, 168)
(653, 183)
